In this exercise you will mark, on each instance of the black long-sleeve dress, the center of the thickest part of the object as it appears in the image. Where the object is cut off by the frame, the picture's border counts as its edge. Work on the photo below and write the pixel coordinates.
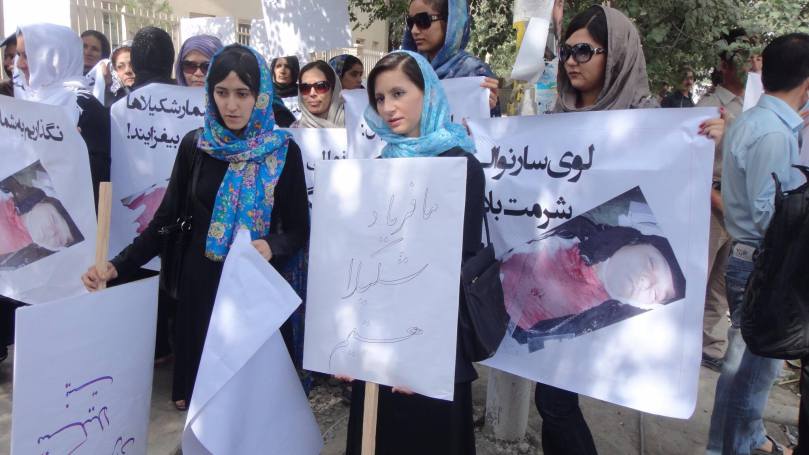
(416, 424)
(199, 279)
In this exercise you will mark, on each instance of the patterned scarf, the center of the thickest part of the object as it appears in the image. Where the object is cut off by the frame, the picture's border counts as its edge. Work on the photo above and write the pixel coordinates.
(256, 159)
(437, 133)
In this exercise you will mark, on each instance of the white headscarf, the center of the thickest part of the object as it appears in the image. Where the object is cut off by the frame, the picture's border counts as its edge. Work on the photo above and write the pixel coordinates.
(55, 65)
(335, 116)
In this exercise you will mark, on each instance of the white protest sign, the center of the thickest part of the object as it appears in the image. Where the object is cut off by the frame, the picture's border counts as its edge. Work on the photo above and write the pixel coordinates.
(146, 128)
(753, 90)
(248, 397)
(258, 38)
(22, 12)
(599, 217)
(530, 61)
(293, 105)
(467, 99)
(382, 298)
(47, 214)
(318, 144)
(526, 9)
(291, 26)
(223, 28)
(83, 373)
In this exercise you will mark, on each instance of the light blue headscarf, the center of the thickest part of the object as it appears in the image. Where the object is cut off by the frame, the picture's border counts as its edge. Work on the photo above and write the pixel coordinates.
(452, 60)
(437, 133)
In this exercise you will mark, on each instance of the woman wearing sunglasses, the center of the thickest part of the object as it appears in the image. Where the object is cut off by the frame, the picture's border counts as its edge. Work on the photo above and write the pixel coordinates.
(241, 172)
(195, 58)
(603, 68)
(319, 97)
(439, 31)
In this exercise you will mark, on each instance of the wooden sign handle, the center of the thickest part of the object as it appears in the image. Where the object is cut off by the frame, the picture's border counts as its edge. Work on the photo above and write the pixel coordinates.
(369, 418)
(103, 232)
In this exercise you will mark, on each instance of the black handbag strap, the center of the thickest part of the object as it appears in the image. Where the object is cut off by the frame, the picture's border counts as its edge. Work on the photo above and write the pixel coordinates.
(184, 221)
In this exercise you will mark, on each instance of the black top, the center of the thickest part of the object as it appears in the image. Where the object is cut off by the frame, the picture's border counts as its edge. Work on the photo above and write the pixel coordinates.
(677, 99)
(289, 228)
(94, 126)
(472, 229)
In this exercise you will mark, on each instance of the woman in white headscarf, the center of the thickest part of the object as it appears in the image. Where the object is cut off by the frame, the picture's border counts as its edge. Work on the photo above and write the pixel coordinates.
(50, 68)
(319, 97)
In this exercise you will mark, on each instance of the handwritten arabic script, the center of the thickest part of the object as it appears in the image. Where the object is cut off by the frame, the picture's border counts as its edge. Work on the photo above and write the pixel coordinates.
(47, 131)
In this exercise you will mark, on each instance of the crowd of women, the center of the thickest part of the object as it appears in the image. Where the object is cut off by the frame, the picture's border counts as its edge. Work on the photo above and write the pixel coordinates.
(239, 169)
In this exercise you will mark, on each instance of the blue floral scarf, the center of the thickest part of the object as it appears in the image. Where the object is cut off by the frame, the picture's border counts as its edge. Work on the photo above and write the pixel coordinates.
(256, 159)
(437, 133)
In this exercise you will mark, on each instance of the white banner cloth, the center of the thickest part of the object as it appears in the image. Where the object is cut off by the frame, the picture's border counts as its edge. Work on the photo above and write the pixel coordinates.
(83, 373)
(47, 214)
(223, 28)
(382, 298)
(247, 397)
(467, 99)
(599, 217)
(300, 27)
(146, 129)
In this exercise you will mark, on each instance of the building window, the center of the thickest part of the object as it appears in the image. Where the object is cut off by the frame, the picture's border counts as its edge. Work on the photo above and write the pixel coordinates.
(243, 33)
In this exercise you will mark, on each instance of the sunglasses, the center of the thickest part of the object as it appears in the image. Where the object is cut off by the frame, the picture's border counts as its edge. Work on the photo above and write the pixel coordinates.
(422, 20)
(320, 87)
(192, 67)
(581, 53)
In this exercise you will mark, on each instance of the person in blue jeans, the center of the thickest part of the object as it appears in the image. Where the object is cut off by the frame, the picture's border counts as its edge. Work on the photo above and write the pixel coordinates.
(764, 140)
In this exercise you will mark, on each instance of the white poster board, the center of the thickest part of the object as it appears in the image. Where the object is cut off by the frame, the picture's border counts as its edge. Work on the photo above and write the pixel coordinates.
(247, 396)
(23, 12)
(258, 38)
(146, 129)
(467, 99)
(382, 298)
(83, 373)
(526, 9)
(598, 217)
(753, 90)
(530, 61)
(300, 27)
(47, 214)
(318, 144)
(223, 28)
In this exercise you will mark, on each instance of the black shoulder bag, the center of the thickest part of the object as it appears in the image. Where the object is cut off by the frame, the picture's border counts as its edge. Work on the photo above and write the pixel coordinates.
(176, 236)
(483, 318)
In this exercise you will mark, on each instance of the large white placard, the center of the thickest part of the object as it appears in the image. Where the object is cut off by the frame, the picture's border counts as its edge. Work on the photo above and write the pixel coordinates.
(382, 299)
(23, 12)
(753, 90)
(530, 61)
(247, 397)
(300, 27)
(146, 128)
(83, 373)
(467, 99)
(599, 217)
(47, 214)
(318, 144)
(223, 28)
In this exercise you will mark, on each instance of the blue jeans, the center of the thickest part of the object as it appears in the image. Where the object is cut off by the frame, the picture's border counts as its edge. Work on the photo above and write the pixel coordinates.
(745, 381)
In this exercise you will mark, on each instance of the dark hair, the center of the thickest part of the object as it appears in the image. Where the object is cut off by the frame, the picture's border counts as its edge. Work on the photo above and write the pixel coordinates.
(349, 62)
(152, 55)
(785, 62)
(442, 6)
(391, 62)
(324, 68)
(293, 63)
(117, 52)
(594, 20)
(730, 37)
(105, 43)
(241, 61)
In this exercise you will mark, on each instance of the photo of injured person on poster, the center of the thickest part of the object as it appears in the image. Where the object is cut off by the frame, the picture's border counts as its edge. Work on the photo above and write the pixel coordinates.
(146, 203)
(599, 268)
(34, 224)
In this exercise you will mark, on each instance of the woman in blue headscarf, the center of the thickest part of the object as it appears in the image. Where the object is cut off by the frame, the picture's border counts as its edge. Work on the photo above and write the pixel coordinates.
(409, 110)
(439, 30)
(237, 171)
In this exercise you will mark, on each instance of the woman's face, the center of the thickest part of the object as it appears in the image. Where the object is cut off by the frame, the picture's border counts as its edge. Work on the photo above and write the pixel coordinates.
(235, 102)
(316, 103)
(92, 51)
(399, 102)
(586, 77)
(638, 275)
(429, 40)
(22, 59)
(196, 61)
(47, 227)
(282, 72)
(123, 67)
(353, 77)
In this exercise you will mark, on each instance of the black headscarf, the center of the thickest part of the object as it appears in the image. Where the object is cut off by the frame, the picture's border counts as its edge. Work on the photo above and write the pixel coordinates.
(152, 56)
(291, 89)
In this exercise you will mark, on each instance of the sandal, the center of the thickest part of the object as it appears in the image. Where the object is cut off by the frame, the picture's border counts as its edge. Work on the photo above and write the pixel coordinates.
(777, 449)
(181, 405)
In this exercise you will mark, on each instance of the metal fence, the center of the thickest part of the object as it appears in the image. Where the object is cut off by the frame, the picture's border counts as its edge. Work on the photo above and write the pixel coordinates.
(367, 57)
(118, 21)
